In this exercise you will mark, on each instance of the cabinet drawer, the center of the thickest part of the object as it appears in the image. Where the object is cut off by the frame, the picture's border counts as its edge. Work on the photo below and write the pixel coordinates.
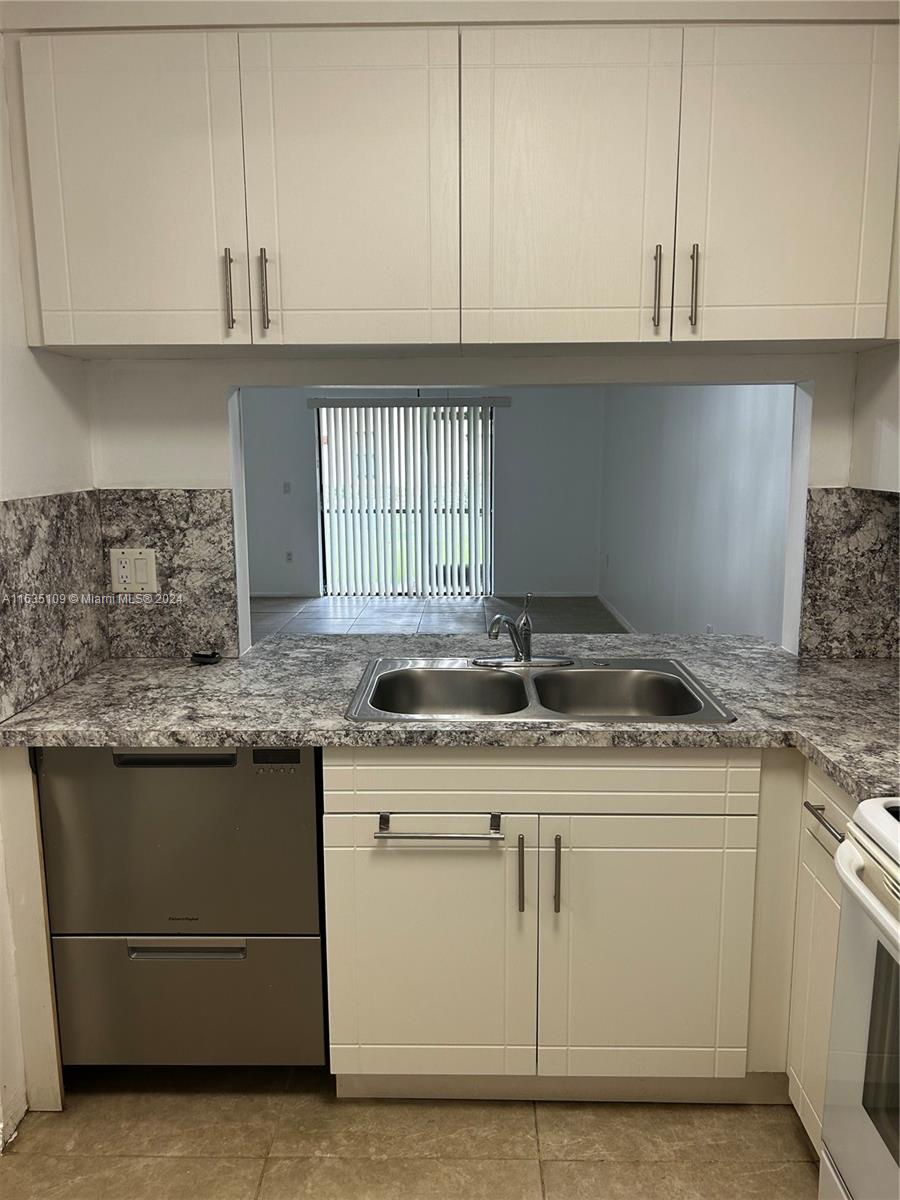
(187, 1000)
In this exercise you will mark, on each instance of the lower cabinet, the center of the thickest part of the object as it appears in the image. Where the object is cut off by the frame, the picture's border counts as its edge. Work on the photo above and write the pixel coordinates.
(553, 943)
(432, 944)
(645, 934)
(816, 925)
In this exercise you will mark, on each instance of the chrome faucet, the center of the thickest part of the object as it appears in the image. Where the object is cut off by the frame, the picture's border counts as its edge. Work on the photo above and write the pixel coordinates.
(519, 631)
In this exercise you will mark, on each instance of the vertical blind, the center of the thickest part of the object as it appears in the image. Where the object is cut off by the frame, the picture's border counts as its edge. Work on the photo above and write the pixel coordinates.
(407, 500)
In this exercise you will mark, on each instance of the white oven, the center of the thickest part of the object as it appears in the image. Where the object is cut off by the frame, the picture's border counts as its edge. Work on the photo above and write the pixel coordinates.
(861, 1130)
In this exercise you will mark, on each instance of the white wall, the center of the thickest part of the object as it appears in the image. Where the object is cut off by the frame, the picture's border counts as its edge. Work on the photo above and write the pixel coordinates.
(164, 422)
(546, 491)
(694, 502)
(44, 448)
(279, 439)
(45, 443)
(875, 458)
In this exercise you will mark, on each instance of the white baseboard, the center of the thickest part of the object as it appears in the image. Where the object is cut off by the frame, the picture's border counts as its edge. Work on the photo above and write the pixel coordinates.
(756, 1088)
(615, 612)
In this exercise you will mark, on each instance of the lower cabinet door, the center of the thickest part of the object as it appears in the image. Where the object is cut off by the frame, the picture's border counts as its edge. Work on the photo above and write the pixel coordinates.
(816, 927)
(432, 943)
(645, 939)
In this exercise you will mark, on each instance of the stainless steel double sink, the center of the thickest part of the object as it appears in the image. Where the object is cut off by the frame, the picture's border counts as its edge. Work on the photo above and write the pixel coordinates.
(459, 689)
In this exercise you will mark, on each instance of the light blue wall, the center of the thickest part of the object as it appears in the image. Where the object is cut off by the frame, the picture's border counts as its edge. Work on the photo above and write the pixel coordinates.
(279, 437)
(694, 505)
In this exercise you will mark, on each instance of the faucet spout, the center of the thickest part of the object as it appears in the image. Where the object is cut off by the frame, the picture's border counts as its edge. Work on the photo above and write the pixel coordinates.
(519, 631)
(501, 622)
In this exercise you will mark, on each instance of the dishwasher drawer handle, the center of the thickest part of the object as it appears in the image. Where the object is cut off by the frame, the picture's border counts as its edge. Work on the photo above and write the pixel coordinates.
(182, 949)
(174, 760)
(385, 833)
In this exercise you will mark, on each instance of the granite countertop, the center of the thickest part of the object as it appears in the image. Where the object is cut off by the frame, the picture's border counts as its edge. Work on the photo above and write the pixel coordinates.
(841, 713)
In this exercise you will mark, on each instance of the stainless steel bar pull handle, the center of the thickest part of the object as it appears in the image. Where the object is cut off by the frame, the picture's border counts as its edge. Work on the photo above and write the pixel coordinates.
(818, 811)
(521, 841)
(264, 287)
(695, 281)
(229, 293)
(384, 833)
(657, 284)
(557, 873)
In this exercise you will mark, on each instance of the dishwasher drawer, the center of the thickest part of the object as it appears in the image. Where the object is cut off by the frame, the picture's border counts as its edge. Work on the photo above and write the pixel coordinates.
(180, 841)
(189, 1001)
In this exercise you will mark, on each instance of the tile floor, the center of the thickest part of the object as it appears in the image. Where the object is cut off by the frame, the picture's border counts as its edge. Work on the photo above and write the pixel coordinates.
(326, 614)
(281, 1135)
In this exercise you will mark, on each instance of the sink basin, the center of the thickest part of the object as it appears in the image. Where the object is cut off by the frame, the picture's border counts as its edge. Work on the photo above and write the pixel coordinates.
(449, 692)
(457, 689)
(608, 692)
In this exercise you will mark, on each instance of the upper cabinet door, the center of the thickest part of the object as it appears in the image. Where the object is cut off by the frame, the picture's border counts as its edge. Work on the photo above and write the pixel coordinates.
(786, 182)
(134, 150)
(569, 162)
(352, 169)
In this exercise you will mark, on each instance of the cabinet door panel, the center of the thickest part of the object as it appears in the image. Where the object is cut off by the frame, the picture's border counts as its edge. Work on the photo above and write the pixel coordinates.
(786, 182)
(432, 968)
(352, 143)
(817, 923)
(134, 144)
(568, 181)
(645, 970)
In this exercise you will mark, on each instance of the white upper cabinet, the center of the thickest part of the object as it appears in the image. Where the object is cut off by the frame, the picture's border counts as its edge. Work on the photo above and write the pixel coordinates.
(569, 164)
(786, 182)
(135, 156)
(362, 186)
(352, 169)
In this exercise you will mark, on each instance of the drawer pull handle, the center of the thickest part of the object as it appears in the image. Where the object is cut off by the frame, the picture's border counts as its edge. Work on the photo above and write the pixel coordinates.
(384, 833)
(160, 949)
(557, 873)
(521, 841)
(818, 811)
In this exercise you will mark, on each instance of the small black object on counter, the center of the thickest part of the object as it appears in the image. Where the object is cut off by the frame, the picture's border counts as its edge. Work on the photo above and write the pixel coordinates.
(206, 658)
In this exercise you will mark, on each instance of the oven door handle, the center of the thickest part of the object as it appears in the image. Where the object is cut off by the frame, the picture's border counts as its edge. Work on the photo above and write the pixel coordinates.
(849, 864)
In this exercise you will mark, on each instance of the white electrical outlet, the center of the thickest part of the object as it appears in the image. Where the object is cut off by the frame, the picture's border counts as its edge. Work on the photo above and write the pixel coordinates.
(133, 570)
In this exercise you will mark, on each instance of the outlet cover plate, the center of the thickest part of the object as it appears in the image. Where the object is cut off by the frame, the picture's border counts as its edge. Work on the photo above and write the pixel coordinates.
(133, 570)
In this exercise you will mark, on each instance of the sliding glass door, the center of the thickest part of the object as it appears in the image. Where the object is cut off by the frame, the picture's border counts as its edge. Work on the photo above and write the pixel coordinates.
(407, 499)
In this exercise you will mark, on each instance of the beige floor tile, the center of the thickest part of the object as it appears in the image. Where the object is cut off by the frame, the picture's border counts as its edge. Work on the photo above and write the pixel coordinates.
(319, 1126)
(39, 1177)
(671, 1133)
(160, 1113)
(679, 1181)
(398, 1179)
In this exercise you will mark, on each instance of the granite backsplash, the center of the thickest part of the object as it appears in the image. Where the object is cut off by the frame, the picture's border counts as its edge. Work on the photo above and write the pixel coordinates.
(52, 623)
(850, 586)
(58, 547)
(192, 532)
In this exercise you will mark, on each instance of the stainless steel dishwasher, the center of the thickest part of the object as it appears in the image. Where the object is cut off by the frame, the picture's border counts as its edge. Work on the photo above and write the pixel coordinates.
(183, 893)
